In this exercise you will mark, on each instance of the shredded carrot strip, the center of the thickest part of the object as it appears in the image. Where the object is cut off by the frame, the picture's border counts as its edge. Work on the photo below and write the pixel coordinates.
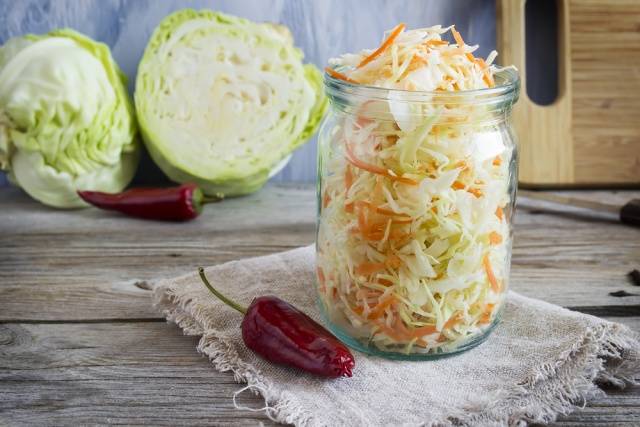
(497, 161)
(499, 213)
(393, 261)
(452, 321)
(348, 207)
(391, 333)
(385, 282)
(351, 158)
(382, 306)
(453, 52)
(396, 31)
(368, 268)
(376, 236)
(424, 330)
(362, 221)
(487, 77)
(490, 276)
(470, 57)
(326, 200)
(457, 37)
(389, 212)
(416, 62)
(486, 316)
(337, 75)
(410, 334)
(401, 333)
(348, 178)
(495, 238)
(435, 42)
(476, 192)
(378, 193)
(380, 210)
(321, 277)
(457, 185)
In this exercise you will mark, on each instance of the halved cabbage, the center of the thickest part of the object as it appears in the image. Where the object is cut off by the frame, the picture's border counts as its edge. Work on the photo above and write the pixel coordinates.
(222, 101)
(66, 121)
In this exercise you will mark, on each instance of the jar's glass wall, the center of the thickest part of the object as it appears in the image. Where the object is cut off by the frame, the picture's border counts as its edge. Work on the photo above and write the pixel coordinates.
(415, 202)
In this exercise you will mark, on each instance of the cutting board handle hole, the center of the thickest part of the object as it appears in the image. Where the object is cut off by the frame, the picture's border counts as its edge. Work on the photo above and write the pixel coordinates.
(541, 46)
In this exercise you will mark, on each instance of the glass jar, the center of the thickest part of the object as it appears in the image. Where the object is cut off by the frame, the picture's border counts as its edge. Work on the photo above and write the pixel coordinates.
(416, 192)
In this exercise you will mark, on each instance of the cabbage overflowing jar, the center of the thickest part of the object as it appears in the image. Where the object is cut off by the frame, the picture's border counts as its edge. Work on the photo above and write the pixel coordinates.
(417, 174)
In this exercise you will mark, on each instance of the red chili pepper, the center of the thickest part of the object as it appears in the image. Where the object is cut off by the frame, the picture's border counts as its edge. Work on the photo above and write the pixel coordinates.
(282, 334)
(180, 203)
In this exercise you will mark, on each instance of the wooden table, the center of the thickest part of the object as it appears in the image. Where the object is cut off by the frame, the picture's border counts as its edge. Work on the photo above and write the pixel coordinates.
(80, 342)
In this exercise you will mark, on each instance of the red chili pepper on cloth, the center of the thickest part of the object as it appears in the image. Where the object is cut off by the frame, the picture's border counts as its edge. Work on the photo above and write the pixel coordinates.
(282, 334)
(167, 204)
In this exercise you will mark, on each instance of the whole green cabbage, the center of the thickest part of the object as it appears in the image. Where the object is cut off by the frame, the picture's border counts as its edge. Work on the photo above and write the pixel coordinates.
(223, 101)
(66, 121)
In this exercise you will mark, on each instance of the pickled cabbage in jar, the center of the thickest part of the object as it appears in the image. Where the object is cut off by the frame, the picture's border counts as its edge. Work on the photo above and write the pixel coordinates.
(417, 172)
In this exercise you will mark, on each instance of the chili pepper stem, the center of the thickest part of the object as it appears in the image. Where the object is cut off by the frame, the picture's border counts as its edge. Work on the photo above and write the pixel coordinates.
(221, 297)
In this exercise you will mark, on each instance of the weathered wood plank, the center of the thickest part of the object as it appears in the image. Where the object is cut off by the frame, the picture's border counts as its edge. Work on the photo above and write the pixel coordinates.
(149, 373)
(117, 373)
(84, 264)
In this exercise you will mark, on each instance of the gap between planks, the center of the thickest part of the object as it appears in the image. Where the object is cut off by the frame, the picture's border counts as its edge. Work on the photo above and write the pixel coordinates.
(612, 311)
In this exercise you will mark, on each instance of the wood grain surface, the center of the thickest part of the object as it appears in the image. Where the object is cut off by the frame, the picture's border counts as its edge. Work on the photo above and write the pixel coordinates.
(80, 343)
(590, 135)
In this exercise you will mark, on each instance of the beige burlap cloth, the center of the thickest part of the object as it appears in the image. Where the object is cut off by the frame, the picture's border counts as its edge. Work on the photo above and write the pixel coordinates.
(541, 360)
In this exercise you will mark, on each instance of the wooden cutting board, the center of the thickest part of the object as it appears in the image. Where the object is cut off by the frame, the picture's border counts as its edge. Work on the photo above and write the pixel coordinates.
(590, 135)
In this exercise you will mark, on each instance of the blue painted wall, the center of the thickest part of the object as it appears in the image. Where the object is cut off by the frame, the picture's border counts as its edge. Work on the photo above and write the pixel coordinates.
(322, 28)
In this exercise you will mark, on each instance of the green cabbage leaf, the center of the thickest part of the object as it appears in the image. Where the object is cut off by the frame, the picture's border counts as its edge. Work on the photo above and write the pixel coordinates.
(66, 121)
(223, 101)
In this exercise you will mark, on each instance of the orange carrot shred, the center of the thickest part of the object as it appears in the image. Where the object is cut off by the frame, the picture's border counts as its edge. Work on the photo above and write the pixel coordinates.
(497, 161)
(321, 278)
(393, 261)
(326, 200)
(362, 221)
(368, 268)
(435, 42)
(348, 178)
(338, 75)
(475, 191)
(490, 276)
(385, 282)
(452, 321)
(389, 212)
(457, 185)
(495, 238)
(348, 207)
(457, 37)
(499, 213)
(377, 190)
(388, 42)
(486, 315)
(379, 309)
(351, 158)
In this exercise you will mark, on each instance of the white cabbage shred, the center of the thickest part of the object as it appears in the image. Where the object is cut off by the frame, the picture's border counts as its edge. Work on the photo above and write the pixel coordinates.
(413, 242)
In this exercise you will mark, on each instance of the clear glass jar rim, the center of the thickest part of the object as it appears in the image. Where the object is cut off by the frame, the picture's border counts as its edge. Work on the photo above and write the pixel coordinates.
(506, 89)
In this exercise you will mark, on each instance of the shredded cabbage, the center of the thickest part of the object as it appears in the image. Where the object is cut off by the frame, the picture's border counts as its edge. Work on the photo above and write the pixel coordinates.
(413, 241)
